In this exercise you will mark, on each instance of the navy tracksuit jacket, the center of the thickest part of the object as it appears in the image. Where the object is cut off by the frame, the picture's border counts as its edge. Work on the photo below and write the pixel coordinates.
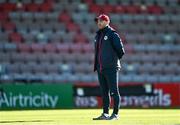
(108, 52)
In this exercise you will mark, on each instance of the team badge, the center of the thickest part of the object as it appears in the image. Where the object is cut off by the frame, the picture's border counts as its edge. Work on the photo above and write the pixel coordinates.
(105, 37)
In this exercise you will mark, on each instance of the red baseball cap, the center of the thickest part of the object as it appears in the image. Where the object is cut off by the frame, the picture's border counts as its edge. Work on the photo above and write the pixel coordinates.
(102, 17)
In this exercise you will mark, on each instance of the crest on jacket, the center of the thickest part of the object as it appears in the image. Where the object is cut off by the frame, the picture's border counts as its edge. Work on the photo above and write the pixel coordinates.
(105, 37)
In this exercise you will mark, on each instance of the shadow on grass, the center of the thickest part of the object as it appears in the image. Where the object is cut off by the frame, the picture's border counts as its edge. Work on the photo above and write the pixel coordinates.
(26, 121)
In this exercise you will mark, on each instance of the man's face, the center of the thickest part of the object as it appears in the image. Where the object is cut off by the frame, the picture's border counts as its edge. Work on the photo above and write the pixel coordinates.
(101, 23)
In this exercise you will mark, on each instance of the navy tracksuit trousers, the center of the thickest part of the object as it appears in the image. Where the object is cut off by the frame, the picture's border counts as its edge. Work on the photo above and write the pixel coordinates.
(108, 79)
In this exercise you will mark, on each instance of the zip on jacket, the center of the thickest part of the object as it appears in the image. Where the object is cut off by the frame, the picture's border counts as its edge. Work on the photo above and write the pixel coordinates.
(100, 52)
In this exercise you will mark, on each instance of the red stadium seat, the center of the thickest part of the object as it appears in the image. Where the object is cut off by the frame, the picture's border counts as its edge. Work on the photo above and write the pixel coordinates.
(133, 9)
(72, 27)
(32, 7)
(95, 8)
(154, 9)
(15, 37)
(64, 17)
(120, 9)
(7, 7)
(3, 16)
(9, 26)
(46, 7)
(80, 38)
(107, 9)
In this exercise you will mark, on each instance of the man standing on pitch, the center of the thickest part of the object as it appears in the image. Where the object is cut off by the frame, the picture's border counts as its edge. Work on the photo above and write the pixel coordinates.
(108, 52)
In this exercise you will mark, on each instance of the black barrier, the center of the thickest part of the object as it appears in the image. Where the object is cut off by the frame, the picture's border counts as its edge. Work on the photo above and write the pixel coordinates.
(133, 89)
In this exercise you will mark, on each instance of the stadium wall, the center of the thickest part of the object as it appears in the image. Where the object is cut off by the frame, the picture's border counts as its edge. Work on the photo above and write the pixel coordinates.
(36, 96)
(160, 95)
(86, 95)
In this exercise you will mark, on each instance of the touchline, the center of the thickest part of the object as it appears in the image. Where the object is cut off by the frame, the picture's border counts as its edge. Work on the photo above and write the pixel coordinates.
(28, 100)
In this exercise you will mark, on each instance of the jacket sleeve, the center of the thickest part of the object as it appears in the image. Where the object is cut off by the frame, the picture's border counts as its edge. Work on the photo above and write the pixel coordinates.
(117, 45)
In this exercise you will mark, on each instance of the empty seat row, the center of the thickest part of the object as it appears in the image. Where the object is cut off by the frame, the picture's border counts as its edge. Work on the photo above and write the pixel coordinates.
(151, 9)
(150, 68)
(136, 2)
(33, 7)
(49, 57)
(48, 78)
(85, 78)
(48, 68)
(145, 78)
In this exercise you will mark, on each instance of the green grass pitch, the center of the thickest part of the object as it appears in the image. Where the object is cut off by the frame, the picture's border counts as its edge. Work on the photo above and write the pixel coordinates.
(84, 117)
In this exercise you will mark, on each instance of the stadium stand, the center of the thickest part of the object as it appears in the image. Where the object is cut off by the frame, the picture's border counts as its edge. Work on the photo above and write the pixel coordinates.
(51, 41)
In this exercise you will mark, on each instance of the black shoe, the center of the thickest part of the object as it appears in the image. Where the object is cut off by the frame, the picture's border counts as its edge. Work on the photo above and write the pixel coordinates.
(102, 117)
(113, 117)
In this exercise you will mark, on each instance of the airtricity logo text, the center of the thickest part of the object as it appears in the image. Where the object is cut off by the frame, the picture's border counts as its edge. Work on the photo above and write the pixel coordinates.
(28, 100)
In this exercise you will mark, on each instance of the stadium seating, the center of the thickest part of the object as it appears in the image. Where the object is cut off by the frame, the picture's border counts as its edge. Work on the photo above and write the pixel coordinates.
(52, 41)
